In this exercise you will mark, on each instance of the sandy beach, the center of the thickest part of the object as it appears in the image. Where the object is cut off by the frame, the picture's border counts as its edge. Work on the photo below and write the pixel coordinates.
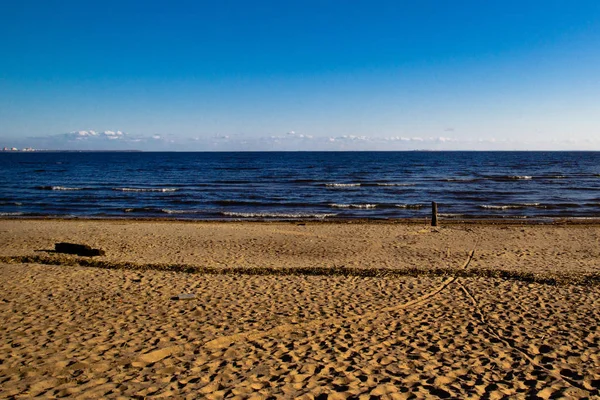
(299, 310)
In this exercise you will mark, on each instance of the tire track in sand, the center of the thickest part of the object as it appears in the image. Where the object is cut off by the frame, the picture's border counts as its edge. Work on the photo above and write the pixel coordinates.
(490, 330)
(252, 335)
(225, 341)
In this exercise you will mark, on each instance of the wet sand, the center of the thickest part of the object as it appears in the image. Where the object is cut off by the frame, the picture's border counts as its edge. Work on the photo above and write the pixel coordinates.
(75, 331)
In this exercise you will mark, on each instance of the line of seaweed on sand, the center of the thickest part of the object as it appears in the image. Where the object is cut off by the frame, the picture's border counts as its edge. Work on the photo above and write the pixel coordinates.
(529, 277)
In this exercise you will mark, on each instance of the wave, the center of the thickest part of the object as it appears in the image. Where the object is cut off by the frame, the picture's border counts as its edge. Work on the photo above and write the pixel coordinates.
(512, 178)
(552, 206)
(10, 203)
(504, 178)
(342, 185)
(143, 210)
(126, 189)
(511, 206)
(393, 184)
(58, 188)
(357, 184)
(461, 180)
(410, 206)
(450, 215)
(168, 211)
(363, 206)
(11, 214)
(367, 206)
(155, 210)
(277, 215)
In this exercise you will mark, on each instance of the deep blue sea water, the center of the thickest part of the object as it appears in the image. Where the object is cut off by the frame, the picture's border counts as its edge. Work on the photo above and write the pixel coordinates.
(300, 185)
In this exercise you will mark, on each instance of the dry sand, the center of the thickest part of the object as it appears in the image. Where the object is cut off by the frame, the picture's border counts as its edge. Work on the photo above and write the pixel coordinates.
(74, 331)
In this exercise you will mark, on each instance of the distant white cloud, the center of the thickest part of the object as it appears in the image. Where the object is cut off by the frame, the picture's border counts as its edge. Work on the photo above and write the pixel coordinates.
(294, 134)
(112, 133)
(350, 138)
(403, 139)
(288, 141)
(93, 134)
(89, 140)
(441, 139)
(83, 133)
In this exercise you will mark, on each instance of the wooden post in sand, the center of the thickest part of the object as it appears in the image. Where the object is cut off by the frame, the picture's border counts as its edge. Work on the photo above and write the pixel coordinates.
(434, 219)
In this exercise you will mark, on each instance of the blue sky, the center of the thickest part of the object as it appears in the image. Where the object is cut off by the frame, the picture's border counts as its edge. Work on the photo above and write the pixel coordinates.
(300, 75)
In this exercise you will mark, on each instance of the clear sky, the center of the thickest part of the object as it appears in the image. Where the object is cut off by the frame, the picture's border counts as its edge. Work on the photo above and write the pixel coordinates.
(300, 75)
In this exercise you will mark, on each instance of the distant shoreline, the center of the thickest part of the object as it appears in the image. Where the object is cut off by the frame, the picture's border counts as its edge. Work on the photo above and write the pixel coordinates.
(68, 151)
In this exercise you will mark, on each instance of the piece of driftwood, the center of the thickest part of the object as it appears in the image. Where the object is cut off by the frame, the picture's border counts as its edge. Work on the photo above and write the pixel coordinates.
(434, 215)
(184, 296)
(79, 249)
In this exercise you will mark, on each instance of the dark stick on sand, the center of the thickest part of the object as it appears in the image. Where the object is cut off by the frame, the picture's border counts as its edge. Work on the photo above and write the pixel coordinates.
(434, 217)
(79, 249)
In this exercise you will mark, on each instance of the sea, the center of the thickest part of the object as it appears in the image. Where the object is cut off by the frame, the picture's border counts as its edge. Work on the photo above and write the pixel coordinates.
(300, 185)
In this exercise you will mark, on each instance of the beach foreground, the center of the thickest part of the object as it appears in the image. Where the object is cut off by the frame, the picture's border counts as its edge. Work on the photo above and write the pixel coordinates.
(348, 310)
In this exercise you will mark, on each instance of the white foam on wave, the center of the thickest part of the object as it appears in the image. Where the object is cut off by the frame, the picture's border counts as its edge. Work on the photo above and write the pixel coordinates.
(395, 184)
(10, 214)
(509, 206)
(59, 188)
(141, 209)
(458, 179)
(410, 205)
(520, 177)
(160, 210)
(342, 185)
(167, 211)
(126, 189)
(276, 215)
(365, 206)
